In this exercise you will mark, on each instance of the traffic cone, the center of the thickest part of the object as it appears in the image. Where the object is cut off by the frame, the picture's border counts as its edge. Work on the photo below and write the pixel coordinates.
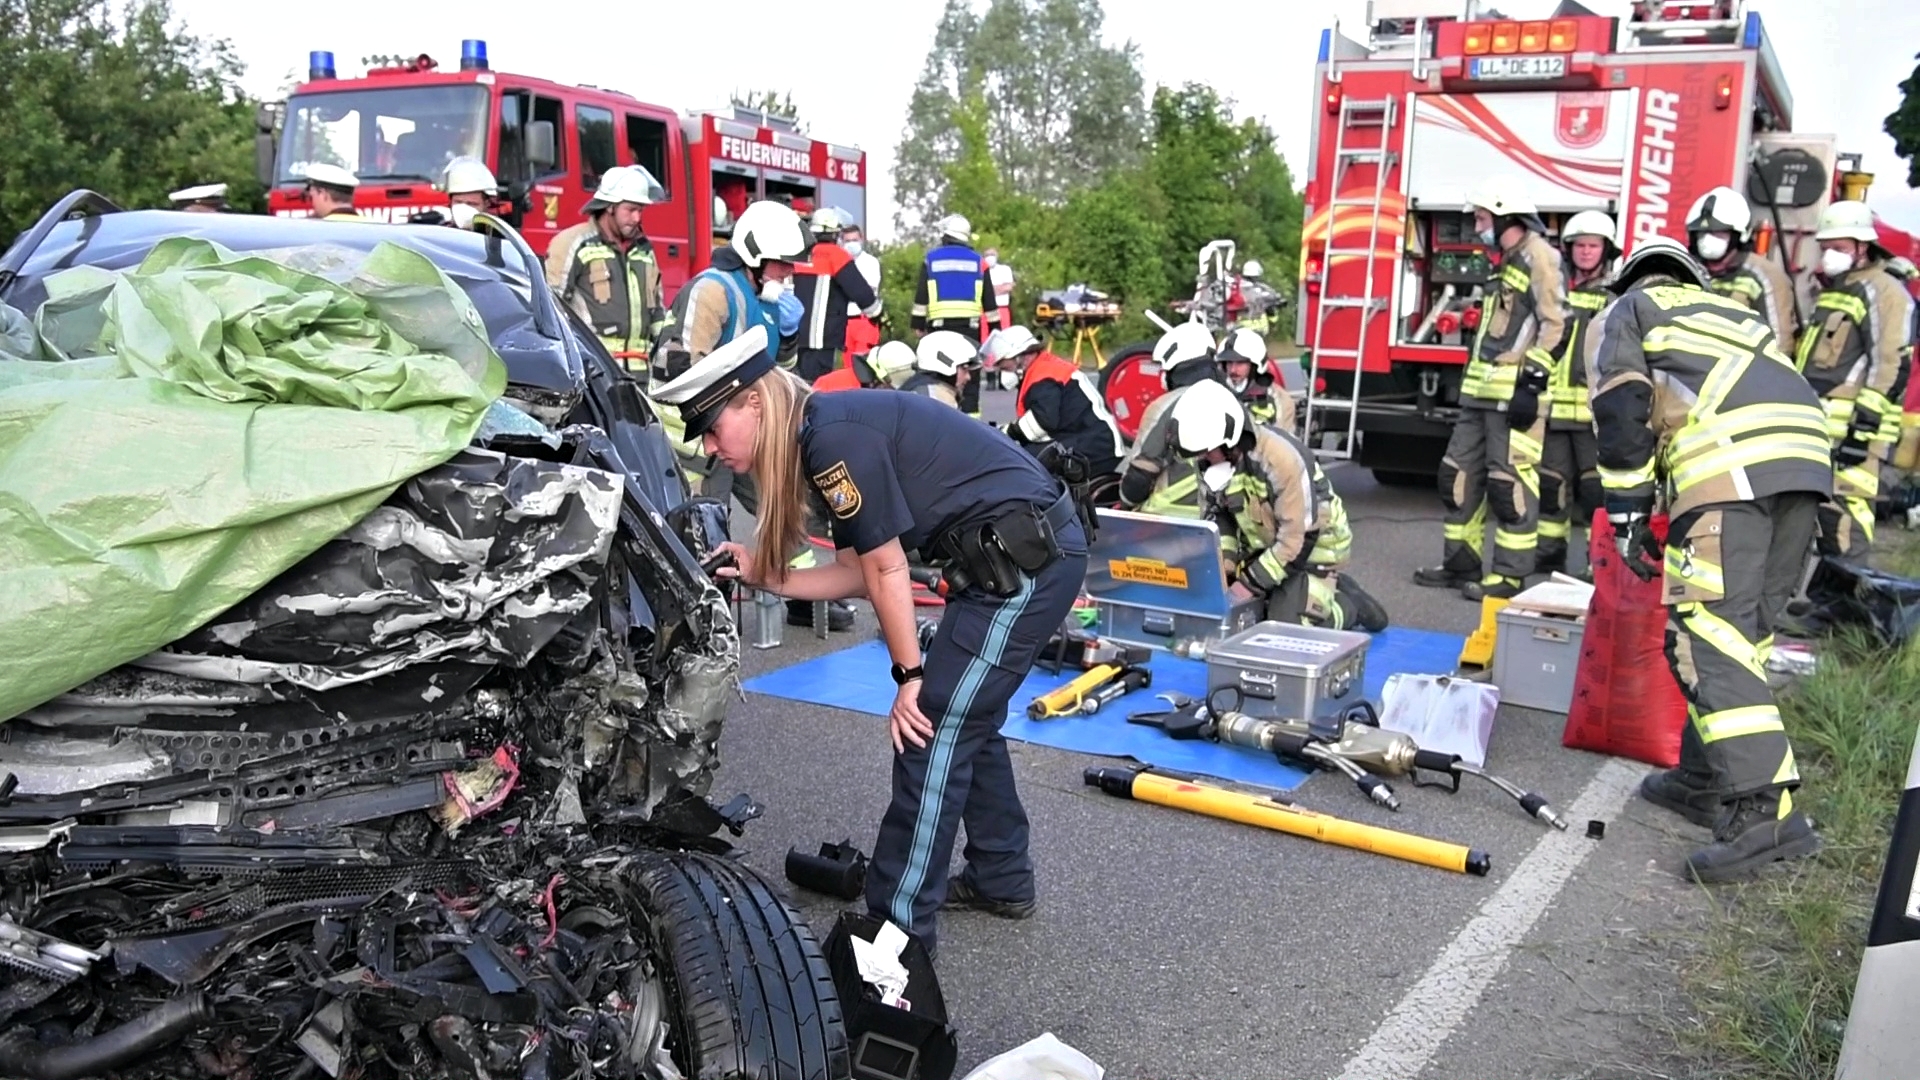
(1625, 700)
(1882, 1041)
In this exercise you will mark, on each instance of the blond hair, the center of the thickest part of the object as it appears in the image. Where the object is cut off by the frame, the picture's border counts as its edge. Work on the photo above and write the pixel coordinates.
(777, 474)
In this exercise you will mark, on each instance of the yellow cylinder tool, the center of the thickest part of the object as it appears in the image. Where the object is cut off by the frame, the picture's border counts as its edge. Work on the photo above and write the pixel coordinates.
(1269, 813)
(1066, 701)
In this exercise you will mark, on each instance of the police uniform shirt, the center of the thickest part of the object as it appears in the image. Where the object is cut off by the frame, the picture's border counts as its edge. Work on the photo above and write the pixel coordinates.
(891, 465)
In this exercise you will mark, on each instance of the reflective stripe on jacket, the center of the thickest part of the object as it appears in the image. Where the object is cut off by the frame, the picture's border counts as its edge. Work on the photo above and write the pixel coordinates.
(1569, 382)
(1854, 352)
(1522, 320)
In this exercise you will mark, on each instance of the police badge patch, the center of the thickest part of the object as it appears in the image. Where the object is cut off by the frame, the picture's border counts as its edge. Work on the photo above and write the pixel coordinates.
(837, 487)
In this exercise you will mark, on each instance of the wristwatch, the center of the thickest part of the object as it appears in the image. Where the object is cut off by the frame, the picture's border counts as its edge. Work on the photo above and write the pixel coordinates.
(904, 675)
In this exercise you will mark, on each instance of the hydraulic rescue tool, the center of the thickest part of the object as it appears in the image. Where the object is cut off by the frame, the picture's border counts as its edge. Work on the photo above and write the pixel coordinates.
(1277, 812)
(1352, 742)
(1083, 695)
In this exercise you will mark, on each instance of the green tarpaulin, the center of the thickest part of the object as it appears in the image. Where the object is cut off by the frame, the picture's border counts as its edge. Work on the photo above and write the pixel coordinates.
(182, 432)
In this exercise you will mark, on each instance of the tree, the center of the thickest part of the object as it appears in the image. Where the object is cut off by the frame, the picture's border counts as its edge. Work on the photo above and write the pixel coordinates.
(1904, 125)
(1062, 109)
(124, 107)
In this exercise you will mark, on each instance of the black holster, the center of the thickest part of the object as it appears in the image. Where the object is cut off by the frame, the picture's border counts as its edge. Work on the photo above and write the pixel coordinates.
(1074, 470)
(994, 554)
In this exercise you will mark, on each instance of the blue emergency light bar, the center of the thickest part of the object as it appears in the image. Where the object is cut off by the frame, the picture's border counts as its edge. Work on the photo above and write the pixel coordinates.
(319, 65)
(473, 55)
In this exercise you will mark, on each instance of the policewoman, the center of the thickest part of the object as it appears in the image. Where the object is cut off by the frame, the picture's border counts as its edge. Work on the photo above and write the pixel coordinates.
(901, 473)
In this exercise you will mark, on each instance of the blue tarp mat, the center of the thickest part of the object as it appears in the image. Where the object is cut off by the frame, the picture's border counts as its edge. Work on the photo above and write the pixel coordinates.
(856, 679)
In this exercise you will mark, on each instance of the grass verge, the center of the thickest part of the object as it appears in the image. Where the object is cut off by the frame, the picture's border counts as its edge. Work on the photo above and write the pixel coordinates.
(1773, 980)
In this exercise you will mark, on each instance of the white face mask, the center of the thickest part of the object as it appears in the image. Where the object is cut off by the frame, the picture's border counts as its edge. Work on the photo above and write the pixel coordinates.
(1711, 247)
(1009, 380)
(1834, 263)
(1216, 476)
(771, 290)
(855, 247)
(462, 214)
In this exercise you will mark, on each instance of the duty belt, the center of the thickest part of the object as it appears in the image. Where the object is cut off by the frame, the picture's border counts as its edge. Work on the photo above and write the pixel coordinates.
(994, 554)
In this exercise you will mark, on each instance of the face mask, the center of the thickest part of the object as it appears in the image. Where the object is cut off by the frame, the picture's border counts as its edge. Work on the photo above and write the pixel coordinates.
(1215, 476)
(771, 291)
(1485, 237)
(1711, 247)
(1009, 380)
(463, 215)
(1835, 263)
(855, 247)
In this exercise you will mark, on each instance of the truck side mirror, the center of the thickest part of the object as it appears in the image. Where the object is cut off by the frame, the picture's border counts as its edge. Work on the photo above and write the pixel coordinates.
(541, 153)
(264, 148)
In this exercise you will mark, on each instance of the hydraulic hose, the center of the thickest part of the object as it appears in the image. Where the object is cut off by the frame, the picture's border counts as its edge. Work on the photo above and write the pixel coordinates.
(1534, 805)
(1370, 785)
(178, 1018)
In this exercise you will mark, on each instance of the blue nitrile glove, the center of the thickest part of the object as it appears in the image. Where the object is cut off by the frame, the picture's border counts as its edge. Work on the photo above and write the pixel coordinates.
(791, 312)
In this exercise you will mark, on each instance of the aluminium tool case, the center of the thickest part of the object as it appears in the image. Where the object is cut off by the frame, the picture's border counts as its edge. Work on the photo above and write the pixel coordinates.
(1290, 672)
(1159, 582)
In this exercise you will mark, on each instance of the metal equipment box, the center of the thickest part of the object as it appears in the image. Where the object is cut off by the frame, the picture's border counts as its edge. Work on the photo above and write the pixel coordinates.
(1159, 582)
(1535, 659)
(1291, 672)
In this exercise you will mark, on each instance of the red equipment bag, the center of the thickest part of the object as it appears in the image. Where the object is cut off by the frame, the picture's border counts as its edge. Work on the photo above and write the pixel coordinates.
(1625, 700)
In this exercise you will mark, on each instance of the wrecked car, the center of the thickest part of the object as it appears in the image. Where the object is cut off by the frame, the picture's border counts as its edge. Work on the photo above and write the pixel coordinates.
(363, 722)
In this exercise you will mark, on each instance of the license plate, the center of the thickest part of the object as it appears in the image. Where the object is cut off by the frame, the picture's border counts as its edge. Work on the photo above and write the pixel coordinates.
(1518, 67)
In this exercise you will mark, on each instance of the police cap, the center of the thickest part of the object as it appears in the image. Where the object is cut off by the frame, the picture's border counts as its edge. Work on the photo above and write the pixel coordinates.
(716, 378)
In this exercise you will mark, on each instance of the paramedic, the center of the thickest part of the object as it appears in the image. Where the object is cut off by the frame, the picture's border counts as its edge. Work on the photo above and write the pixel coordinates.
(1058, 404)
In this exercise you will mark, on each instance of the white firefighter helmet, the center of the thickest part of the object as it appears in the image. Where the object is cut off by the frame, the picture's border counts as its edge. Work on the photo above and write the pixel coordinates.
(332, 176)
(1591, 223)
(957, 228)
(945, 352)
(770, 231)
(1847, 220)
(1187, 343)
(891, 359)
(468, 176)
(1251, 269)
(1207, 417)
(1722, 210)
(627, 184)
(1007, 344)
(829, 220)
(1244, 345)
(1502, 197)
(1660, 255)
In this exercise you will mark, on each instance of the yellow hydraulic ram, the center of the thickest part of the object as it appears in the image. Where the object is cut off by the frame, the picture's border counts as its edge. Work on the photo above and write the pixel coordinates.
(1269, 813)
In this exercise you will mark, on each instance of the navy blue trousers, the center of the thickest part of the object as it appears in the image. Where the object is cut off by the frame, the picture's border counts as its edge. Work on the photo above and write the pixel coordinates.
(982, 653)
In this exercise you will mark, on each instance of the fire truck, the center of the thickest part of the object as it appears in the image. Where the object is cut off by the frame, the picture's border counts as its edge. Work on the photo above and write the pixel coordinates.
(1637, 116)
(396, 127)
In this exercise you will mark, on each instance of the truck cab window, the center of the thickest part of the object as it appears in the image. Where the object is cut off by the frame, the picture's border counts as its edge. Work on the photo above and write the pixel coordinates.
(513, 147)
(549, 109)
(594, 126)
(647, 141)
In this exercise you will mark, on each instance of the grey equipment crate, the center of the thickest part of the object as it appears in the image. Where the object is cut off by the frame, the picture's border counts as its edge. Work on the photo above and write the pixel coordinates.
(1290, 672)
(1158, 582)
(1535, 659)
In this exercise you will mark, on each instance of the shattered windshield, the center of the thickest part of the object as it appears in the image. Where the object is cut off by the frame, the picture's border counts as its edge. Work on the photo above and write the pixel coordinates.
(386, 134)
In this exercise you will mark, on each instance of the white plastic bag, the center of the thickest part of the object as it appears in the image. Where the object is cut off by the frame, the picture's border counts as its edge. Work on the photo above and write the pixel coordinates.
(1442, 713)
(1044, 1058)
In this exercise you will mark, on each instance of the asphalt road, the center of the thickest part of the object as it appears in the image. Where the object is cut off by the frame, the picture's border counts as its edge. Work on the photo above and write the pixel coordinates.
(1179, 947)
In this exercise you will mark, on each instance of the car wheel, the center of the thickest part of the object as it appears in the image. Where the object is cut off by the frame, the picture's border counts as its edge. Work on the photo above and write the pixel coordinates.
(748, 989)
(1129, 383)
(1395, 478)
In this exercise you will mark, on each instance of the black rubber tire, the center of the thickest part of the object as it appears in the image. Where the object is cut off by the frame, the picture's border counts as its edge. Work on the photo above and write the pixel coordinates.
(748, 986)
(1394, 478)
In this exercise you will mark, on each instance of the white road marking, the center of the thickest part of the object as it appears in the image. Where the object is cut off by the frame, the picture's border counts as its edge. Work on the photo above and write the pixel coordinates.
(1406, 1041)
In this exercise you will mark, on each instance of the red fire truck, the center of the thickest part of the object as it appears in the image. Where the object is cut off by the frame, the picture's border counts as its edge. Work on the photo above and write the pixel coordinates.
(548, 143)
(1637, 116)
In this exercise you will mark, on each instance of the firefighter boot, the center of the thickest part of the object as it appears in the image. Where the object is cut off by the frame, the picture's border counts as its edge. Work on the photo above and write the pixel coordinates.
(1460, 567)
(1494, 585)
(1753, 832)
(1686, 793)
(1362, 609)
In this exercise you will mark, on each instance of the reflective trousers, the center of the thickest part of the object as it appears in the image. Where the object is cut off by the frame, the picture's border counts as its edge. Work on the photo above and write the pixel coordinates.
(1846, 520)
(981, 654)
(1569, 491)
(1312, 597)
(1730, 570)
(1489, 465)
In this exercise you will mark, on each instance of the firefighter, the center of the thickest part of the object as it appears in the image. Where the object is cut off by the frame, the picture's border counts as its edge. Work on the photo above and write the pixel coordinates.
(1290, 539)
(1569, 469)
(954, 291)
(1720, 232)
(205, 199)
(604, 267)
(1494, 454)
(1854, 352)
(1057, 403)
(469, 186)
(862, 333)
(1155, 478)
(828, 284)
(1697, 408)
(330, 192)
(944, 363)
(855, 374)
(893, 363)
(1243, 366)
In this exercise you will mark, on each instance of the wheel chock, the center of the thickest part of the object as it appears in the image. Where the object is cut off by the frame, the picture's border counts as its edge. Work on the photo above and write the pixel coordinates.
(1478, 651)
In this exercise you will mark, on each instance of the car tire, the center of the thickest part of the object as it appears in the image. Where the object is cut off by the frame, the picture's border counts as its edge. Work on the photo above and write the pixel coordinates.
(1398, 479)
(748, 987)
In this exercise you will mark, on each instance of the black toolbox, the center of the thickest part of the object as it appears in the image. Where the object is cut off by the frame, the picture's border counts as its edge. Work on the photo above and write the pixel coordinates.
(889, 1043)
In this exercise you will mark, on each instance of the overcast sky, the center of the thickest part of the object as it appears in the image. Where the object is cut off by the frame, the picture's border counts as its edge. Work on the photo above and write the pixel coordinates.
(851, 64)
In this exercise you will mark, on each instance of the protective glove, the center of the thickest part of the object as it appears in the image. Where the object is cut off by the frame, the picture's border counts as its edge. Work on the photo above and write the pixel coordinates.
(1524, 409)
(1862, 428)
(791, 311)
(1850, 453)
(1633, 536)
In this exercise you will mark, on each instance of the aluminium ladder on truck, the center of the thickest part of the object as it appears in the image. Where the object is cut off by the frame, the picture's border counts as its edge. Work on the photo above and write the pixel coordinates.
(1355, 116)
